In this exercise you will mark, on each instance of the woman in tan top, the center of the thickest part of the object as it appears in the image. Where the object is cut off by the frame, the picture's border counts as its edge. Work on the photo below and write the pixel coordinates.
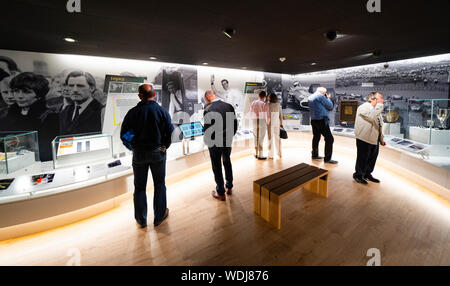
(275, 121)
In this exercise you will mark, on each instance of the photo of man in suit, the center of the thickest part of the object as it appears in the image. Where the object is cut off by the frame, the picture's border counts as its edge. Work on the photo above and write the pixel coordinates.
(85, 114)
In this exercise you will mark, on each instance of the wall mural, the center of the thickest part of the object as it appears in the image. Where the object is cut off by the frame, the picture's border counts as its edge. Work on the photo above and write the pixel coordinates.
(63, 94)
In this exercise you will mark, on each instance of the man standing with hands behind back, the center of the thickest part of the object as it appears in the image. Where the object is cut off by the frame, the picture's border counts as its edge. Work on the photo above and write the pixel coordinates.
(152, 129)
(319, 106)
(368, 133)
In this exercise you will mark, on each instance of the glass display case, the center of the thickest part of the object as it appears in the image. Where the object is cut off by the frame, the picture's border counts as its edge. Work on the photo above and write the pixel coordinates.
(79, 149)
(428, 121)
(18, 150)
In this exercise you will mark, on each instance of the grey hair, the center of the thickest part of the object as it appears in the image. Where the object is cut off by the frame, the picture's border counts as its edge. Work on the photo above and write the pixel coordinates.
(321, 89)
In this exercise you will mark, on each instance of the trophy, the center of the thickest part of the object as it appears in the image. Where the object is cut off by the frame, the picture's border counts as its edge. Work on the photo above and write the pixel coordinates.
(442, 115)
(391, 116)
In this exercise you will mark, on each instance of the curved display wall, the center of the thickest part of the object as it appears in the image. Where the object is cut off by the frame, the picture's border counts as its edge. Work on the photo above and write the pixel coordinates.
(52, 155)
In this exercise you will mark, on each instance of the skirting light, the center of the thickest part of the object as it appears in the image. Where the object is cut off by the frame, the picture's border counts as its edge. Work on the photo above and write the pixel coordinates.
(70, 40)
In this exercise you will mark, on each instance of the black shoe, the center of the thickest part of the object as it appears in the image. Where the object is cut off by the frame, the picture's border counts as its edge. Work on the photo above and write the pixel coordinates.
(316, 157)
(218, 197)
(360, 180)
(331, 162)
(262, 158)
(141, 225)
(372, 179)
(156, 223)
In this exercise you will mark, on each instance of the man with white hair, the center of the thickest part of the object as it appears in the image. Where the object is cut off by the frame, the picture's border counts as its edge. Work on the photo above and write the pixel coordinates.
(319, 106)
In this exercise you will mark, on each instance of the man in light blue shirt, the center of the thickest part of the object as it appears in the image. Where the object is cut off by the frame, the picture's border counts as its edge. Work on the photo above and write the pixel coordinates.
(319, 106)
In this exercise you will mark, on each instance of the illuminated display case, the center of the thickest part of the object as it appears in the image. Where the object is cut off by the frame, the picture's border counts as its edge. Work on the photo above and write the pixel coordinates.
(18, 150)
(72, 150)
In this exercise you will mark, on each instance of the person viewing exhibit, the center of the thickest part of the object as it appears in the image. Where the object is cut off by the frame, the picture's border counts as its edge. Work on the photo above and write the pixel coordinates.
(219, 139)
(176, 134)
(273, 126)
(259, 111)
(319, 105)
(369, 135)
(150, 128)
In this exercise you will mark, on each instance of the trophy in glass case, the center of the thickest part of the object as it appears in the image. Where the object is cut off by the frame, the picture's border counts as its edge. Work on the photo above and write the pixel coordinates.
(442, 115)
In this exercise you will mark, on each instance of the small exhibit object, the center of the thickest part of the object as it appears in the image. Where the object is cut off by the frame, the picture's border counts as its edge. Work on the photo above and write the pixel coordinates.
(114, 164)
(42, 179)
(391, 116)
(5, 183)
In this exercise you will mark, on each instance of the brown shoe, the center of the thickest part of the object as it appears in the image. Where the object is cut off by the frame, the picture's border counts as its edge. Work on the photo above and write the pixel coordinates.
(229, 192)
(217, 196)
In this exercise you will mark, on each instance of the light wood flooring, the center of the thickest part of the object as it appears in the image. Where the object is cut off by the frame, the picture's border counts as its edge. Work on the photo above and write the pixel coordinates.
(408, 224)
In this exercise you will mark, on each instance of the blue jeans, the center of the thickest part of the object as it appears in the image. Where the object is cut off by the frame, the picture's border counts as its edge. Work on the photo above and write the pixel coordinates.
(156, 161)
(218, 154)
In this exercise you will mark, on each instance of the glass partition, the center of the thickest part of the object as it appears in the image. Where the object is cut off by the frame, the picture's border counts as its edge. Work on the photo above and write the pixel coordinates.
(80, 149)
(18, 150)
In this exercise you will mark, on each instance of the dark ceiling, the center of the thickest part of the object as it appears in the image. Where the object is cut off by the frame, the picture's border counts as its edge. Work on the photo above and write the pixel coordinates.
(190, 32)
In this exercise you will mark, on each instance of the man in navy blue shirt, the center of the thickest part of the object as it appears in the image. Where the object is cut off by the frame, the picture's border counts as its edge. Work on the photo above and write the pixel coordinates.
(152, 129)
(319, 105)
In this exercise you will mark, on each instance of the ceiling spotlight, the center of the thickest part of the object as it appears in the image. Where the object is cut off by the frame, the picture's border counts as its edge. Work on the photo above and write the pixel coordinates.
(70, 40)
(205, 64)
(153, 58)
(313, 64)
(376, 53)
(282, 59)
(229, 32)
(331, 35)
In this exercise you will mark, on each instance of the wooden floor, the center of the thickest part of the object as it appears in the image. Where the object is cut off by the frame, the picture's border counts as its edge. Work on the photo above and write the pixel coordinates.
(408, 224)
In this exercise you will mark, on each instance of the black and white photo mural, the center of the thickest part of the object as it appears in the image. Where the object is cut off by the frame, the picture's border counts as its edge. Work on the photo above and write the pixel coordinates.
(64, 94)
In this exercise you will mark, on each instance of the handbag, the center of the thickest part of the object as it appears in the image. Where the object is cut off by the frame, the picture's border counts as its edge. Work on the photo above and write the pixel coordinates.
(283, 133)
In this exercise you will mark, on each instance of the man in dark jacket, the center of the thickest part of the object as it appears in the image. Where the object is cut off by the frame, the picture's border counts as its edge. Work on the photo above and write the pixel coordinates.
(152, 128)
(220, 127)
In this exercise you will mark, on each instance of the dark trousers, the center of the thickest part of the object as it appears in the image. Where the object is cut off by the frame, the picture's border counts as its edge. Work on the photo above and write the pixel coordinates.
(320, 127)
(366, 158)
(156, 161)
(218, 154)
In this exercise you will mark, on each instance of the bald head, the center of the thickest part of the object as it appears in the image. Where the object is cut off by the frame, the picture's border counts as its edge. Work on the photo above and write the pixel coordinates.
(210, 95)
(146, 92)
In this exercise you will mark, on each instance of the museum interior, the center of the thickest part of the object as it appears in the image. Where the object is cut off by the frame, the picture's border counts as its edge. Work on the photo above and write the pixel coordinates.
(67, 183)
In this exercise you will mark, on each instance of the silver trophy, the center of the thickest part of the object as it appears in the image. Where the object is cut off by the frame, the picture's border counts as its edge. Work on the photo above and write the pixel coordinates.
(442, 115)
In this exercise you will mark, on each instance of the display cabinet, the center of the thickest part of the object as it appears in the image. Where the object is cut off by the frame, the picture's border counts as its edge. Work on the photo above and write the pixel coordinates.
(18, 150)
(80, 149)
(428, 121)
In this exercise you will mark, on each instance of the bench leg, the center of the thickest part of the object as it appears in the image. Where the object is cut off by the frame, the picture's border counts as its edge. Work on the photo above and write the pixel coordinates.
(313, 186)
(265, 205)
(275, 211)
(257, 198)
(323, 186)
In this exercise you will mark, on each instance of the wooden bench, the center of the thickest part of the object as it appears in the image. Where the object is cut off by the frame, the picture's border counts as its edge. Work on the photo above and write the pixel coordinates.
(268, 191)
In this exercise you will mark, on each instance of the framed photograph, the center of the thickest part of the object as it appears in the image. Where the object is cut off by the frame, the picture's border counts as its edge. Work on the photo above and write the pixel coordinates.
(347, 110)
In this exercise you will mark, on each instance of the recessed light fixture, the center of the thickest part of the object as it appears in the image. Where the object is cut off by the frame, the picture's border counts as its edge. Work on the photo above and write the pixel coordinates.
(282, 59)
(313, 64)
(70, 40)
(229, 32)
(153, 58)
(205, 64)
